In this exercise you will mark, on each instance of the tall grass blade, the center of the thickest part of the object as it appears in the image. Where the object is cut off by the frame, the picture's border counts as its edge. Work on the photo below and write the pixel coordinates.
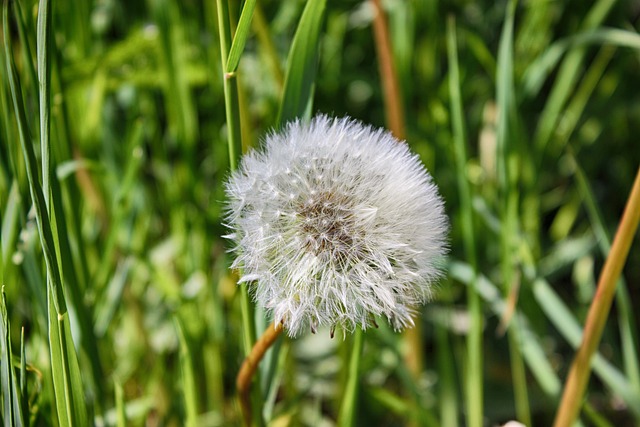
(302, 65)
(37, 195)
(240, 37)
(67, 381)
(10, 393)
(540, 69)
(189, 390)
(69, 393)
(508, 178)
(43, 46)
(566, 79)
(560, 316)
(474, 382)
(121, 415)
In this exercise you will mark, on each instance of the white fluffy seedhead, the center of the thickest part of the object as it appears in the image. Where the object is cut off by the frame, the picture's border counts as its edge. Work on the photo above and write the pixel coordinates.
(334, 223)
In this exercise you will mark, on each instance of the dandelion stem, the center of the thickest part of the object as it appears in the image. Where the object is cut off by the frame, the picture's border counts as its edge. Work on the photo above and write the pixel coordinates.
(599, 310)
(348, 409)
(249, 366)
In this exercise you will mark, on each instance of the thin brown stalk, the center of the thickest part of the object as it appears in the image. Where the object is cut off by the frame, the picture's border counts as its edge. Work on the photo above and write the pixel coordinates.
(394, 109)
(249, 366)
(599, 310)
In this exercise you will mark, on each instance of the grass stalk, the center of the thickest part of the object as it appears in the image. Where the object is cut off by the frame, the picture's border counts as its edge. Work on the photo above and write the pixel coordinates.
(232, 110)
(596, 318)
(44, 92)
(249, 367)
(474, 382)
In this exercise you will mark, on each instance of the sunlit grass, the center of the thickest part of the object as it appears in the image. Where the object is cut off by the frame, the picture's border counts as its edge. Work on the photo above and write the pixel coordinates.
(119, 123)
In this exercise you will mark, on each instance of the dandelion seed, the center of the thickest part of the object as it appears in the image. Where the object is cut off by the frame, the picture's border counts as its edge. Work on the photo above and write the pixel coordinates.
(335, 223)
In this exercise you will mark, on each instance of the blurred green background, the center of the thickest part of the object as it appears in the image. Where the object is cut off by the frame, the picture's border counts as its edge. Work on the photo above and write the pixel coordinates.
(551, 114)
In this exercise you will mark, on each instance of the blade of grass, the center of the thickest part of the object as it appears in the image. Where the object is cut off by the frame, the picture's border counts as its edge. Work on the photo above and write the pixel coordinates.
(12, 400)
(446, 367)
(234, 144)
(263, 33)
(189, 390)
(177, 90)
(121, 415)
(565, 80)
(560, 316)
(540, 69)
(24, 392)
(508, 178)
(474, 382)
(240, 37)
(302, 65)
(69, 394)
(10, 225)
(531, 347)
(44, 226)
(67, 382)
(43, 49)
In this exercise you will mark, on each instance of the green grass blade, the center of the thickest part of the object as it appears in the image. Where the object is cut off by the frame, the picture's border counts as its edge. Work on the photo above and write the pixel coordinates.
(565, 81)
(24, 39)
(240, 37)
(540, 69)
(302, 65)
(11, 398)
(43, 46)
(67, 382)
(69, 394)
(530, 344)
(189, 390)
(37, 195)
(508, 179)
(561, 317)
(474, 382)
(446, 366)
(121, 415)
(24, 391)
(181, 109)
(10, 226)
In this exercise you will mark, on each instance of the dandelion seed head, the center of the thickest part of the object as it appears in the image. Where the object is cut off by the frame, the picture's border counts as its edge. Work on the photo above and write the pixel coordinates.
(335, 223)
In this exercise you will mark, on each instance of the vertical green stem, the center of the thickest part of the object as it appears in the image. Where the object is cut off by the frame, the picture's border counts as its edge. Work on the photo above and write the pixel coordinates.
(44, 81)
(348, 409)
(474, 392)
(232, 110)
(235, 144)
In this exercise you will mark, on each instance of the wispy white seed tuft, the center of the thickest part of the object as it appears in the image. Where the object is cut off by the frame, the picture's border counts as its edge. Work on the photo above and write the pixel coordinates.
(334, 223)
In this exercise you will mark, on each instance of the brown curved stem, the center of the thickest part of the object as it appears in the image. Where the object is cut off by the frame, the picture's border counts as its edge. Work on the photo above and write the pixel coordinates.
(249, 366)
(599, 310)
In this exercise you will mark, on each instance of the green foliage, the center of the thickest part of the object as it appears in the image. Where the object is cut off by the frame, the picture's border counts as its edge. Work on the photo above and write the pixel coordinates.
(118, 129)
